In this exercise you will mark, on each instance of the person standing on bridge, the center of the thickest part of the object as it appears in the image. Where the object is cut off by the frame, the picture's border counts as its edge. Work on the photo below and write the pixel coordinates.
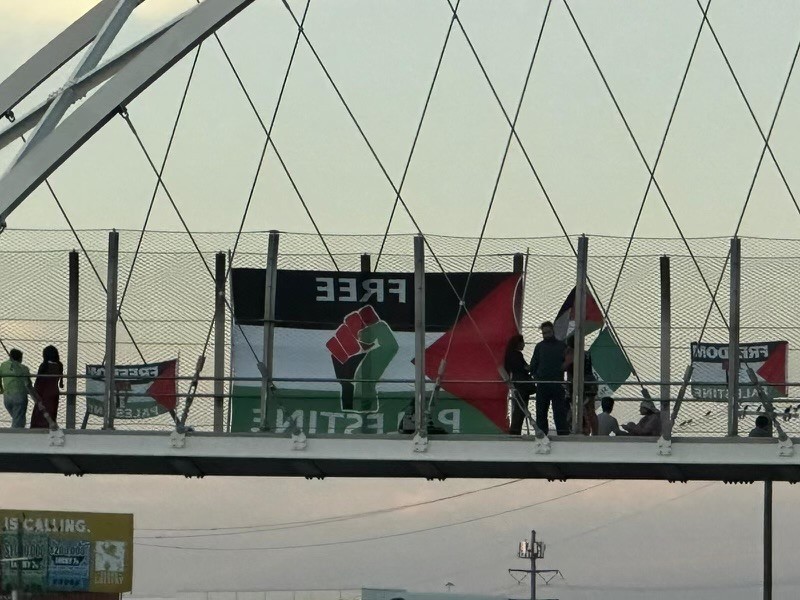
(48, 381)
(15, 381)
(523, 387)
(546, 362)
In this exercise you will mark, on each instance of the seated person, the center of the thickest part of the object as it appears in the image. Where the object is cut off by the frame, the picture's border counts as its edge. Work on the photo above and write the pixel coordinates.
(649, 424)
(762, 428)
(606, 424)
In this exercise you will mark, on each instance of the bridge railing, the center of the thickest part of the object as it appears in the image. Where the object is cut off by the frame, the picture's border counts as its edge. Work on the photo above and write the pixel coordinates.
(166, 299)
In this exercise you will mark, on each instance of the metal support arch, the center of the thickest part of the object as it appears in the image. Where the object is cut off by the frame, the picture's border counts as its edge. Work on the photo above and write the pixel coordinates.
(67, 96)
(55, 54)
(132, 79)
(111, 330)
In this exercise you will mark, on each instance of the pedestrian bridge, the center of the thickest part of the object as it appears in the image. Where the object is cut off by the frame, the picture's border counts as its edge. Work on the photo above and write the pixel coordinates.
(85, 452)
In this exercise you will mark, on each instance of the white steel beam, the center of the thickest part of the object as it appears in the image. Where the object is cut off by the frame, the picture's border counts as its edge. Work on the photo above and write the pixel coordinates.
(53, 55)
(66, 96)
(26, 122)
(269, 455)
(127, 84)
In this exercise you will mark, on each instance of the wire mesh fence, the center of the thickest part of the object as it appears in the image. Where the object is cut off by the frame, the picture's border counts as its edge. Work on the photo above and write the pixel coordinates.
(168, 305)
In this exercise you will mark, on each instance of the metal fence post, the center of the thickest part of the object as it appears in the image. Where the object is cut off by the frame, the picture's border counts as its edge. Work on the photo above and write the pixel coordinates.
(219, 343)
(768, 539)
(518, 262)
(666, 340)
(733, 337)
(269, 325)
(72, 339)
(111, 330)
(578, 337)
(420, 405)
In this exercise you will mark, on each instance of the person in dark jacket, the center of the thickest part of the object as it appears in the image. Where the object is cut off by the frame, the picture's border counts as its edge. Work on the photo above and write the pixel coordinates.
(762, 428)
(547, 372)
(48, 381)
(520, 375)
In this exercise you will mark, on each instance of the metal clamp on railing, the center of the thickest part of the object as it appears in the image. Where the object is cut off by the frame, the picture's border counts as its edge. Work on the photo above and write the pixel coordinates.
(785, 446)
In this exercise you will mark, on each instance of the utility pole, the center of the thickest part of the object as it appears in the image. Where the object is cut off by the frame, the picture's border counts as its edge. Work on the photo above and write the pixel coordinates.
(533, 550)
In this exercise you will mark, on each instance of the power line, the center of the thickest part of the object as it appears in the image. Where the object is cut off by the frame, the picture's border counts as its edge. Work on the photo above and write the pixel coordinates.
(381, 537)
(320, 521)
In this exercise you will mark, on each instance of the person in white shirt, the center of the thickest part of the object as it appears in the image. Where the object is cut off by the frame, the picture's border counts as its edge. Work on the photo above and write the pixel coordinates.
(606, 424)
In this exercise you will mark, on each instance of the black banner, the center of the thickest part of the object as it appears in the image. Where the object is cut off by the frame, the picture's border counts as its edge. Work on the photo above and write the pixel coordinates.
(318, 299)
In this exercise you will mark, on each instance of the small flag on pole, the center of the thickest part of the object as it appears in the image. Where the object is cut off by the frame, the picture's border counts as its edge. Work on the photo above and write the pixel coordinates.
(564, 324)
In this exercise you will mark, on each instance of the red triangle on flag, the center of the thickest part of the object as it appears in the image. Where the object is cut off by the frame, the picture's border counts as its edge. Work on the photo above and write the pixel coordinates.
(773, 371)
(478, 348)
(162, 390)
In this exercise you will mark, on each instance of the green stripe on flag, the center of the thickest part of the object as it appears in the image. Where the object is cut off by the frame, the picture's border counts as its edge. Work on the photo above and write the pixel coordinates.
(609, 363)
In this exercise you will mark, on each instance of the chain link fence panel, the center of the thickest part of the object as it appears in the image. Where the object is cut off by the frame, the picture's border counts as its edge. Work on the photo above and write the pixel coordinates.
(168, 305)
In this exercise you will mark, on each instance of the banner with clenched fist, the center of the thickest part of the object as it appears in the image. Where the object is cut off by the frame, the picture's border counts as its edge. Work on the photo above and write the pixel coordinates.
(344, 350)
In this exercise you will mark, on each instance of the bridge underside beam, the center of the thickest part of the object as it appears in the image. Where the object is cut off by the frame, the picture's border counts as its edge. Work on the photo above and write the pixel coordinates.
(270, 455)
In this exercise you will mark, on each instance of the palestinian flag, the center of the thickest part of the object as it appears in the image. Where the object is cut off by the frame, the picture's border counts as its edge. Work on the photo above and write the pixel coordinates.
(710, 374)
(140, 391)
(564, 323)
(611, 366)
(344, 349)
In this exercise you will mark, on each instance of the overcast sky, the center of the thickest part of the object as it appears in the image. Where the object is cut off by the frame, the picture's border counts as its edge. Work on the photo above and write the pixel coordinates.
(621, 540)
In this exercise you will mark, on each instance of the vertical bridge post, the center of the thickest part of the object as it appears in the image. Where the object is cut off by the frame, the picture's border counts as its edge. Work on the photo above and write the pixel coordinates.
(578, 337)
(112, 314)
(270, 286)
(219, 342)
(666, 341)
(733, 337)
(72, 338)
(420, 406)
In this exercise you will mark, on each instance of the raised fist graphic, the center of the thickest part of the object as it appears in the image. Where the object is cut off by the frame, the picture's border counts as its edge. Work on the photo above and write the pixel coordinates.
(361, 349)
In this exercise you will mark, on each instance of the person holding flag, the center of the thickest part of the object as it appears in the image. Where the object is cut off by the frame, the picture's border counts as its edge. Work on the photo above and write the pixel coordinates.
(547, 372)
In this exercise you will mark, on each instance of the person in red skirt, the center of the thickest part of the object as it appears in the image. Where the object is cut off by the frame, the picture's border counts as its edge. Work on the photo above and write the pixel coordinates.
(48, 381)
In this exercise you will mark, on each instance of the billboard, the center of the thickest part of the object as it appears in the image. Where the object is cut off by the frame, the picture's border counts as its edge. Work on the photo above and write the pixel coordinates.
(710, 375)
(356, 330)
(47, 551)
(141, 391)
